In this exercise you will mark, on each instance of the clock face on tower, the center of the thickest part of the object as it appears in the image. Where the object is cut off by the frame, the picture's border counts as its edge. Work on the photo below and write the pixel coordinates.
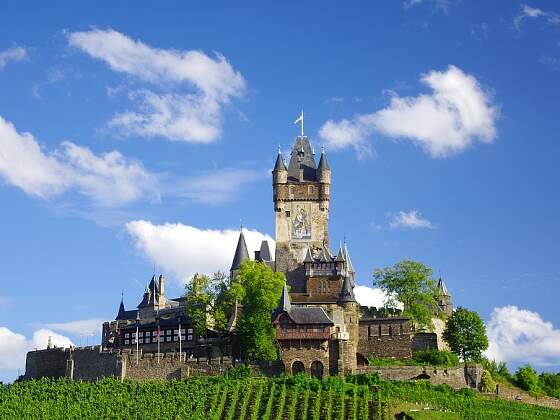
(301, 222)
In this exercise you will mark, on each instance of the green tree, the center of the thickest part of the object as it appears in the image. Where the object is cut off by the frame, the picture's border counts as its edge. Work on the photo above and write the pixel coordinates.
(208, 301)
(411, 283)
(466, 335)
(259, 289)
(526, 378)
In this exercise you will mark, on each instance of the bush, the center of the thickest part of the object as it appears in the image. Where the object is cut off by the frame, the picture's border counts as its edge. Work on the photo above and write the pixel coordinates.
(238, 372)
(526, 378)
(436, 358)
(487, 384)
(498, 371)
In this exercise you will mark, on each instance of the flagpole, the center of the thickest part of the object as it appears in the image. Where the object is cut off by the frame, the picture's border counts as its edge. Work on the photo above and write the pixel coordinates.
(180, 347)
(158, 335)
(137, 322)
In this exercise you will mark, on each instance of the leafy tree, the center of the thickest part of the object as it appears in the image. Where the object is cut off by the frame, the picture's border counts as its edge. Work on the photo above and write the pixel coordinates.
(411, 283)
(466, 335)
(499, 371)
(208, 301)
(259, 289)
(550, 383)
(526, 378)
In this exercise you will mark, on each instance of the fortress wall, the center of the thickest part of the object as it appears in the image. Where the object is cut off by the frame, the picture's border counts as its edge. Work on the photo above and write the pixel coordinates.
(424, 341)
(456, 377)
(91, 364)
(50, 363)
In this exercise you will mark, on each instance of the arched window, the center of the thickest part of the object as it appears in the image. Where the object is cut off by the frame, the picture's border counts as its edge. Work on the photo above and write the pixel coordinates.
(379, 331)
(297, 367)
(317, 369)
(401, 330)
(390, 331)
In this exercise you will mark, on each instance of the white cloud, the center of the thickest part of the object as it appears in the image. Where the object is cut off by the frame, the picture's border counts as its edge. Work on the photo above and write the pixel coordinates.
(14, 347)
(85, 327)
(528, 12)
(411, 220)
(519, 335)
(370, 296)
(195, 116)
(184, 250)
(456, 114)
(109, 179)
(12, 54)
(438, 5)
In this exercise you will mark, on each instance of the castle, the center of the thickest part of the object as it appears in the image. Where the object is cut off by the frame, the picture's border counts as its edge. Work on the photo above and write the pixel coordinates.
(320, 327)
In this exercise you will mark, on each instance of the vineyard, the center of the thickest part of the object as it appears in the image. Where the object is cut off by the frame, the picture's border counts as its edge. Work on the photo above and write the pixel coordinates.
(299, 397)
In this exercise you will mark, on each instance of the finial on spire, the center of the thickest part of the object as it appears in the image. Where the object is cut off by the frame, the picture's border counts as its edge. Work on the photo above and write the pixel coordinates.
(322, 150)
(241, 225)
(279, 150)
(300, 119)
(122, 295)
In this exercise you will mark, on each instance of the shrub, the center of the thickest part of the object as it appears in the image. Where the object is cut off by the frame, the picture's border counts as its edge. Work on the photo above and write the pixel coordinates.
(526, 378)
(436, 358)
(487, 384)
(238, 372)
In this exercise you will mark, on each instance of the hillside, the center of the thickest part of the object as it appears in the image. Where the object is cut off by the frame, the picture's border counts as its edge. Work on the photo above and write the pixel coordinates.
(359, 397)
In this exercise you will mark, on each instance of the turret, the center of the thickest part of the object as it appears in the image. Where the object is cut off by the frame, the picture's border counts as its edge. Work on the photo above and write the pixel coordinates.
(161, 290)
(280, 172)
(444, 298)
(241, 254)
(323, 170)
(346, 292)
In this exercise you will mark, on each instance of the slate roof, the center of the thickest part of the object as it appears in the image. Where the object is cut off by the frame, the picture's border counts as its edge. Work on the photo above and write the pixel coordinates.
(151, 294)
(323, 164)
(120, 314)
(265, 251)
(241, 253)
(280, 165)
(302, 156)
(309, 315)
(346, 292)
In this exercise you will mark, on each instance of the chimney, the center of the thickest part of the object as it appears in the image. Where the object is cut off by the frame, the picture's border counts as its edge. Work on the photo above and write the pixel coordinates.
(161, 290)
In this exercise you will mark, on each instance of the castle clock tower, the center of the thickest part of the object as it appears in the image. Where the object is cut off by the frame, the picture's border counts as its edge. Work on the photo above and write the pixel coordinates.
(301, 194)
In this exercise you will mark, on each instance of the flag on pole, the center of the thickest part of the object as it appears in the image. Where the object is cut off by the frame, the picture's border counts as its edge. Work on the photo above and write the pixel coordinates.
(180, 349)
(158, 334)
(137, 322)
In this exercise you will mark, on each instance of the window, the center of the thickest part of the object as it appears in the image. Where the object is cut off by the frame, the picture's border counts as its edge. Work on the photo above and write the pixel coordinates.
(291, 190)
(287, 213)
(167, 338)
(310, 189)
(379, 331)
(127, 335)
(390, 331)
(190, 331)
(326, 189)
(126, 341)
(401, 330)
(189, 337)
(140, 340)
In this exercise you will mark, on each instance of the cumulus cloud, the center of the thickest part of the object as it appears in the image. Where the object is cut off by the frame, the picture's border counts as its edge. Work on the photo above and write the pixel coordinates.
(108, 179)
(193, 116)
(184, 250)
(438, 5)
(409, 220)
(456, 114)
(14, 347)
(520, 335)
(528, 12)
(12, 54)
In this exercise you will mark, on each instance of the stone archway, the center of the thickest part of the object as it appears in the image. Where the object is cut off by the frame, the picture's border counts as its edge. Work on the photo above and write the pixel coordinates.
(317, 369)
(361, 360)
(297, 367)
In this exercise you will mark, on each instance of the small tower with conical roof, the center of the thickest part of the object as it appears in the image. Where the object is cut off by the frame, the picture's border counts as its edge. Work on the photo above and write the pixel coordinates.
(324, 178)
(444, 298)
(241, 254)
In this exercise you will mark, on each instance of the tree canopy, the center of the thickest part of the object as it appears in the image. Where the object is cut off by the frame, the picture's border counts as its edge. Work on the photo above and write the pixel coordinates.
(411, 283)
(260, 289)
(466, 335)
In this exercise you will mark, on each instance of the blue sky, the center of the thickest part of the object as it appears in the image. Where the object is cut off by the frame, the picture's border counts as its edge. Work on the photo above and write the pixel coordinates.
(151, 132)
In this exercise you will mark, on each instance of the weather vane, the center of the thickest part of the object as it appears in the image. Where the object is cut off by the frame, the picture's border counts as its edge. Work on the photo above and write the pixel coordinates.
(300, 119)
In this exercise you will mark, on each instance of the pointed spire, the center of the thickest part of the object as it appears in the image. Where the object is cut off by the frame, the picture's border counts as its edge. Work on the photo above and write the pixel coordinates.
(120, 314)
(308, 256)
(323, 164)
(265, 252)
(346, 292)
(340, 256)
(326, 255)
(347, 257)
(280, 165)
(285, 303)
(442, 288)
(241, 253)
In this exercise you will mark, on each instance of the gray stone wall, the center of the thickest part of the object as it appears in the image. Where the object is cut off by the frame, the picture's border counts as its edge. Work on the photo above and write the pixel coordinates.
(424, 341)
(50, 363)
(385, 337)
(456, 377)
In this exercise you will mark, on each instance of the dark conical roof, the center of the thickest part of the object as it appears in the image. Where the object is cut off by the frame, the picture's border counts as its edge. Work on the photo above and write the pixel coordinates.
(280, 165)
(346, 292)
(340, 256)
(308, 256)
(323, 164)
(302, 156)
(241, 253)
(285, 303)
(265, 251)
(442, 288)
(151, 295)
(121, 314)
